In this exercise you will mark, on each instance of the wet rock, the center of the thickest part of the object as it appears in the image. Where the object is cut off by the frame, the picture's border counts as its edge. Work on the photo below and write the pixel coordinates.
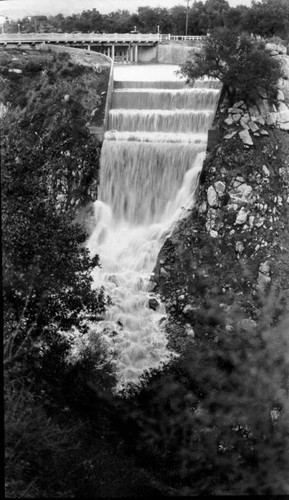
(241, 216)
(153, 303)
(212, 197)
(246, 138)
(151, 286)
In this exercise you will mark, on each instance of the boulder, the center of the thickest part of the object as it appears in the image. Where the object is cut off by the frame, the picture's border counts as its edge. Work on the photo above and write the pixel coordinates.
(238, 104)
(230, 135)
(239, 246)
(236, 117)
(189, 310)
(202, 208)
(241, 216)
(244, 123)
(212, 197)
(246, 138)
(153, 303)
(229, 121)
(271, 118)
(15, 70)
(189, 330)
(284, 126)
(266, 171)
(280, 95)
(253, 127)
(283, 113)
(220, 187)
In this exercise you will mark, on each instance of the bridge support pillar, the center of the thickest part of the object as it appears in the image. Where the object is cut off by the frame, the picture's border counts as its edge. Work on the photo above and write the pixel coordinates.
(108, 51)
(88, 47)
(136, 53)
(112, 52)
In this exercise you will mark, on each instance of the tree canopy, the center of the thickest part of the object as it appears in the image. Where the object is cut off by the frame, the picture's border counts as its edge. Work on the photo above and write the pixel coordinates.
(239, 61)
(265, 17)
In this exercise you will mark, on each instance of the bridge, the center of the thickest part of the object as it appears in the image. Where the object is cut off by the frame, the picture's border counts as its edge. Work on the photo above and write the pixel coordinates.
(121, 47)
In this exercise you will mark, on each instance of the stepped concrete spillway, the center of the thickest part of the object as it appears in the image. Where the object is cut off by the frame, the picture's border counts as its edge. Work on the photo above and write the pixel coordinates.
(151, 159)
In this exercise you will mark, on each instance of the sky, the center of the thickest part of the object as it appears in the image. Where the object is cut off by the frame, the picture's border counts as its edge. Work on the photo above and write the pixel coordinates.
(15, 9)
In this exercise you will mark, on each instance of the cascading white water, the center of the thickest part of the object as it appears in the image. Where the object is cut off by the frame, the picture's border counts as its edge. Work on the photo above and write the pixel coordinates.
(149, 170)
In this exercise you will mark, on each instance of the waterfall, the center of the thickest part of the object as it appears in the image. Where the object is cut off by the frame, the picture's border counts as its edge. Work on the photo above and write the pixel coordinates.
(150, 162)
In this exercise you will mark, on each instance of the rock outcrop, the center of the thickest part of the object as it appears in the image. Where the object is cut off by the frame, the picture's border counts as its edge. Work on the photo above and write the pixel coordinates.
(232, 248)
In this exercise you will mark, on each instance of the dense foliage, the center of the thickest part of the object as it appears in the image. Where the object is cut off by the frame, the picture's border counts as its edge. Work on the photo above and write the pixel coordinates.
(216, 422)
(48, 163)
(265, 18)
(239, 61)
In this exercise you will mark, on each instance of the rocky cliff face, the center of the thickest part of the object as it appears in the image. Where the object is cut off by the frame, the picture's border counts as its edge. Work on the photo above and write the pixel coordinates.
(232, 249)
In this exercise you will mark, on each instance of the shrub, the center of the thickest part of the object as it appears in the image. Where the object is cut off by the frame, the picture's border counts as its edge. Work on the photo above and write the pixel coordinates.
(216, 422)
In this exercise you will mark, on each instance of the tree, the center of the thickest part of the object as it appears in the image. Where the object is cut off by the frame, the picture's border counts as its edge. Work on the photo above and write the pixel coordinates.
(268, 18)
(239, 62)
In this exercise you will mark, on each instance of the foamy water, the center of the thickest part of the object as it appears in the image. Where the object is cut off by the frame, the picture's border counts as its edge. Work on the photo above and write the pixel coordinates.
(149, 168)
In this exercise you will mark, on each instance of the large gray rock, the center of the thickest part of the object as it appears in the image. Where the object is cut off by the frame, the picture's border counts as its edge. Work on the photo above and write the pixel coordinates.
(153, 303)
(241, 216)
(220, 187)
(280, 95)
(283, 113)
(253, 126)
(271, 118)
(212, 197)
(246, 137)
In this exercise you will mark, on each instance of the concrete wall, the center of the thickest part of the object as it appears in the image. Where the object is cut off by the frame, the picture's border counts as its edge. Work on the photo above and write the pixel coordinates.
(172, 53)
(148, 54)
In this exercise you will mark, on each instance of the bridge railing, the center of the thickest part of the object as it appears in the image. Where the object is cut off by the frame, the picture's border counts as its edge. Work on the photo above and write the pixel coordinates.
(78, 37)
(165, 37)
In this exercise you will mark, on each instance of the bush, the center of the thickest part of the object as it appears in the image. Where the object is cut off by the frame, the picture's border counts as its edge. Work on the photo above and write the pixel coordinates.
(216, 422)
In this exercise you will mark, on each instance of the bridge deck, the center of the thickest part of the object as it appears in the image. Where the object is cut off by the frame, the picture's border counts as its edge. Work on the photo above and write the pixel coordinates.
(97, 38)
(79, 37)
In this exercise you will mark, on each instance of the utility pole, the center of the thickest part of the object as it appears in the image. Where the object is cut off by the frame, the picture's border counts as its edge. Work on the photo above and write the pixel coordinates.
(187, 17)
